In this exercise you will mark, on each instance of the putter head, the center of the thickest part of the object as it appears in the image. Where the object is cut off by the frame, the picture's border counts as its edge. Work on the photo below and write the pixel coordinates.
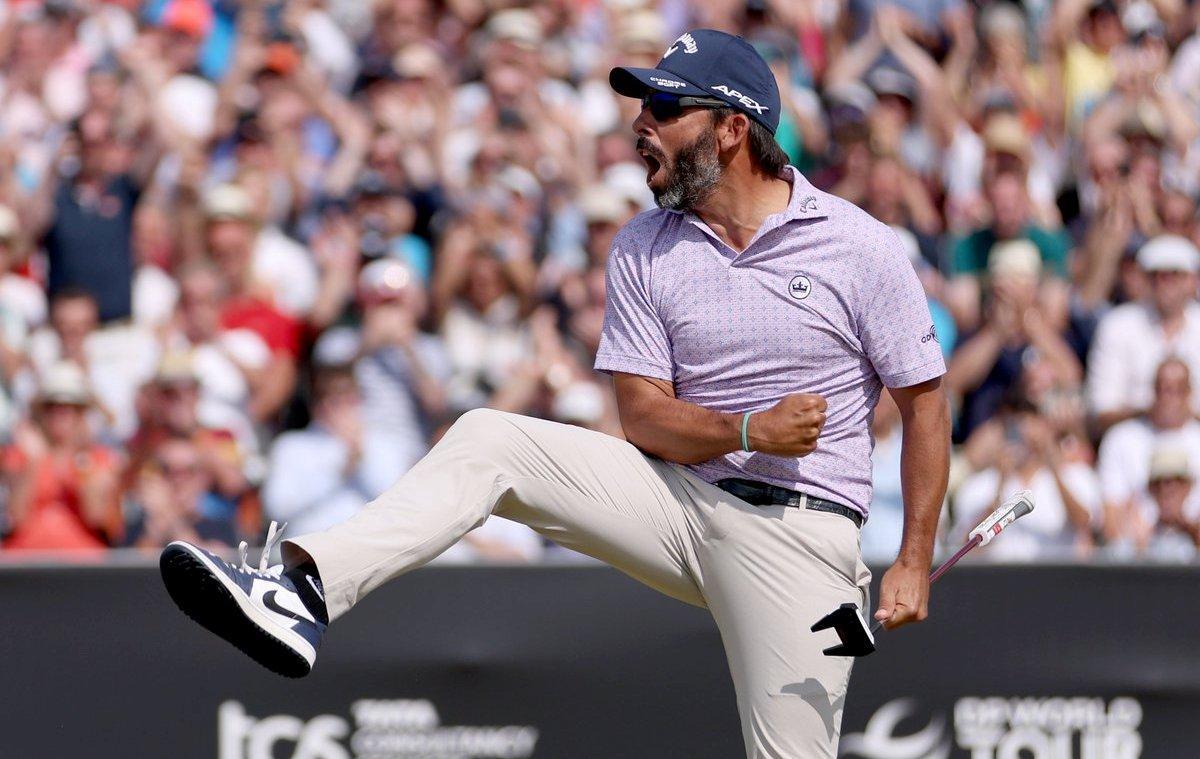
(847, 621)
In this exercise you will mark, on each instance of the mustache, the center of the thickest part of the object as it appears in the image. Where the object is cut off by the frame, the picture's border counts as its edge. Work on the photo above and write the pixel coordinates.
(643, 145)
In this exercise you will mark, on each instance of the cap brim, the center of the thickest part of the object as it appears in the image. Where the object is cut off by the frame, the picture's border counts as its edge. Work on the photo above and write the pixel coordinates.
(634, 82)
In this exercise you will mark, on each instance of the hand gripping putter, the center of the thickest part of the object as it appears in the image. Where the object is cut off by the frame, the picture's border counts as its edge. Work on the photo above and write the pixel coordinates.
(858, 639)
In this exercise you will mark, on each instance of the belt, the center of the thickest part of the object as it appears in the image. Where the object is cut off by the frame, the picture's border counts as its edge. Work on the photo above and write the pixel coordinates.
(764, 494)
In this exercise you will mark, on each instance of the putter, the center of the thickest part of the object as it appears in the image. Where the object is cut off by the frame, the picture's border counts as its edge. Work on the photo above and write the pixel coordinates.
(858, 638)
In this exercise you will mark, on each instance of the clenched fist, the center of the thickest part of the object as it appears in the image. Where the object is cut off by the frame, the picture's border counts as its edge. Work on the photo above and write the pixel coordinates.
(790, 427)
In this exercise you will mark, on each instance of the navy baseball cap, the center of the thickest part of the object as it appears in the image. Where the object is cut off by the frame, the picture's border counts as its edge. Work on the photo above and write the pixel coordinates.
(708, 63)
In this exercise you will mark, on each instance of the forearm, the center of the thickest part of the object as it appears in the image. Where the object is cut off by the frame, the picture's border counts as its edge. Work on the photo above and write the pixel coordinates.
(1076, 513)
(429, 392)
(100, 508)
(855, 60)
(678, 431)
(924, 470)
(21, 492)
(335, 291)
(272, 389)
(1104, 254)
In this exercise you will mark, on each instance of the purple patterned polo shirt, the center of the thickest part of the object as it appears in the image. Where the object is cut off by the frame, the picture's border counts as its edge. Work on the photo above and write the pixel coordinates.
(823, 300)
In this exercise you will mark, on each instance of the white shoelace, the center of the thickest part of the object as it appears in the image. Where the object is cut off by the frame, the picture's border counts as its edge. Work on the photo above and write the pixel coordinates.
(274, 538)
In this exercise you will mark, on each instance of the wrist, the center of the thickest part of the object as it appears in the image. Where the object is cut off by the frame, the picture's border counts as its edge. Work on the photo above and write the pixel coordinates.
(744, 432)
(732, 427)
(915, 557)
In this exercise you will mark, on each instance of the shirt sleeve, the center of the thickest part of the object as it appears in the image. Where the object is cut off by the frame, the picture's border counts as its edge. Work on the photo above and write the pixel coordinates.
(1055, 247)
(895, 327)
(634, 339)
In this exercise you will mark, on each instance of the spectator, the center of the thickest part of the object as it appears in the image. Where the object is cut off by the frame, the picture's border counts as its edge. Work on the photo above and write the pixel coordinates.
(248, 303)
(230, 364)
(323, 474)
(1133, 339)
(1165, 524)
(1011, 219)
(1030, 456)
(118, 359)
(171, 406)
(62, 485)
(400, 370)
(86, 218)
(282, 272)
(1127, 449)
(1172, 484)
(174, 499)
(988, 364)
(480, 294)
(1083, 37)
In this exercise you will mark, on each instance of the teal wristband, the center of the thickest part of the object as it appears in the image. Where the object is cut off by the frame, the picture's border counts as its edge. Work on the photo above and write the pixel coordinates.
(745, 431)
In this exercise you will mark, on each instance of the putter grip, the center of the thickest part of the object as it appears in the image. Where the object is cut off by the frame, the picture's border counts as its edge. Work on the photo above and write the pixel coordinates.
(1011, 510)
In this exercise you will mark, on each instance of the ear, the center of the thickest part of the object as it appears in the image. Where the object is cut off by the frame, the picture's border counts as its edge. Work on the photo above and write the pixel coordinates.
(733, 131)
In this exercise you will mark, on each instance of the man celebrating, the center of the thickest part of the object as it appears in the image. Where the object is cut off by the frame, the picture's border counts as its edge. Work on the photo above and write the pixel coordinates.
(751, 324)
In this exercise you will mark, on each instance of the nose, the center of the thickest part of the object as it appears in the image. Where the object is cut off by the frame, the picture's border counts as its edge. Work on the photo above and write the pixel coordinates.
(642, 125)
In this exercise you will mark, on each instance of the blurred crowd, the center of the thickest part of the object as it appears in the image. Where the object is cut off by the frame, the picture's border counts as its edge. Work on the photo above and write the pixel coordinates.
(255, 256)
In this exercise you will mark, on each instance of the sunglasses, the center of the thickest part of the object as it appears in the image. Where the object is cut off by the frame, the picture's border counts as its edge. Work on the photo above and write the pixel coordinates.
(664, 106)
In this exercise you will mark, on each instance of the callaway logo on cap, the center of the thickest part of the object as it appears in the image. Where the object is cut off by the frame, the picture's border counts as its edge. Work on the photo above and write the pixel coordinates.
(708, 63)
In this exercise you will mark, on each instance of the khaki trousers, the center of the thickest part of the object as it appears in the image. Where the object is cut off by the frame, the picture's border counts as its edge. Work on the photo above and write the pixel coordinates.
(765, 573)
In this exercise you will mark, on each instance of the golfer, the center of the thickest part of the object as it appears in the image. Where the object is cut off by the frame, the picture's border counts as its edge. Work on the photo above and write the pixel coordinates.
(752, 322)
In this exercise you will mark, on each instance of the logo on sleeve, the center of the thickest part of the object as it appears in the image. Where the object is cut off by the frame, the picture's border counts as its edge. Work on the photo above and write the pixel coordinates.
(931, 335)
(800, 287)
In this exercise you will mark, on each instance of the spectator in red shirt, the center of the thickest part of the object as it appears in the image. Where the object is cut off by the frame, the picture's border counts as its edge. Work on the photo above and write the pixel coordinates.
(62, 486)
(230, 234)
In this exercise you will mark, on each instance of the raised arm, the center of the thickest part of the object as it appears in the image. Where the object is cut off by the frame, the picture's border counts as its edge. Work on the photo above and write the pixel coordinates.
(660, 424)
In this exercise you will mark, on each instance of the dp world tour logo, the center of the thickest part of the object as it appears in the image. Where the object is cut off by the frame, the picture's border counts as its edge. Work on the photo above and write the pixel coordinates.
(879, 740)
(1002, 728)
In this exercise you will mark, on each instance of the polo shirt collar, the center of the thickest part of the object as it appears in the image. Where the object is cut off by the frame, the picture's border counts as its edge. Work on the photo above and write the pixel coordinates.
(802, 205)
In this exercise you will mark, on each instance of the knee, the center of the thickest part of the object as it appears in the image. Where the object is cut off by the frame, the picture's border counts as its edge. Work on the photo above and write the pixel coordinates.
(483, 430)
(478, 421)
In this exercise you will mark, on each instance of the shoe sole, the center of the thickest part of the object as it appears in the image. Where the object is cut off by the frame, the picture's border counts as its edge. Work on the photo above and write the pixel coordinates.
(201, 591)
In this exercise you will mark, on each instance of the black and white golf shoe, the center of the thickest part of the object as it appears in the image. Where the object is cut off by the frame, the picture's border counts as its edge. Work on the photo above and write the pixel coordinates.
(255, 609)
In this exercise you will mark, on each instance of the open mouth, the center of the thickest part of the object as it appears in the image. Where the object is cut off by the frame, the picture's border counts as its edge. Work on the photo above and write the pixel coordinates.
(652, 163)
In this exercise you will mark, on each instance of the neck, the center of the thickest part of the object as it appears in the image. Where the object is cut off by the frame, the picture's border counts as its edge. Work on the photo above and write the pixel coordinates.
(1171, 320)
(740, 203)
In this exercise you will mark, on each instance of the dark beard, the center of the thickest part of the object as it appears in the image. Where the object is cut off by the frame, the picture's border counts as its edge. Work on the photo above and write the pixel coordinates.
(693, 175)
